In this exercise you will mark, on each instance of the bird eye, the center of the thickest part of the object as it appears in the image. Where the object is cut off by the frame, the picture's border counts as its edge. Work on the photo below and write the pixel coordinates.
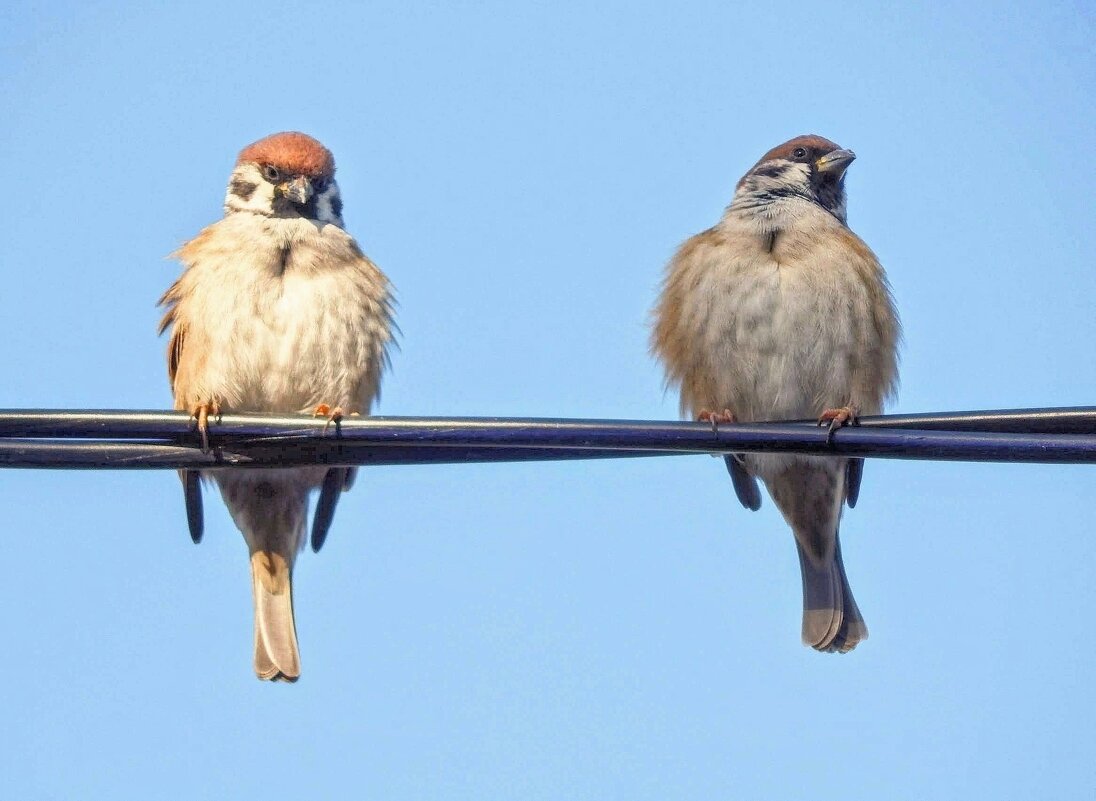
(319, 183)
(271, 173)
(799, 153)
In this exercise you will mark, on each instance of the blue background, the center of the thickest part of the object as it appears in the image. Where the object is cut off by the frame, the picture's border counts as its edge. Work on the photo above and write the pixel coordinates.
(602, 630)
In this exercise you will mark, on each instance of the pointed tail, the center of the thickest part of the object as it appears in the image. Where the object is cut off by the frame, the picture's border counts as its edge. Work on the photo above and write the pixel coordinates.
(276, 654)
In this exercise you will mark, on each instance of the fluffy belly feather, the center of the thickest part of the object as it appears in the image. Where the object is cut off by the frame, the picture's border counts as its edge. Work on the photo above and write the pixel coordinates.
(289, 345)
(778, 345)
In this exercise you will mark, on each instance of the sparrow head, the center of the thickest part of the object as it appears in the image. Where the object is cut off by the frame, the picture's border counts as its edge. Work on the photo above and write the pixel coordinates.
(805, 169)
(285, 175)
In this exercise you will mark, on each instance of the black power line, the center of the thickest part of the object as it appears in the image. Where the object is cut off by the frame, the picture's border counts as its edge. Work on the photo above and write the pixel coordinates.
(63, 439)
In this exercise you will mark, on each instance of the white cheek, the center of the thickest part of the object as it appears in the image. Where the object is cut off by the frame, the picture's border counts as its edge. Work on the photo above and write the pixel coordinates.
(783, 212)
(794, 174)
(261, 198)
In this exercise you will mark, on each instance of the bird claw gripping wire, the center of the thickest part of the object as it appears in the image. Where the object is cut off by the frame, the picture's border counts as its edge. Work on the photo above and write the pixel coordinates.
(334, 414)
(202, 412)
(715, 418)
(837, 418)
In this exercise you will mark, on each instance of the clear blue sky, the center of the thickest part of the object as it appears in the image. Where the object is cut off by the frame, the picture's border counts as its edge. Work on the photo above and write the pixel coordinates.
(604, 630)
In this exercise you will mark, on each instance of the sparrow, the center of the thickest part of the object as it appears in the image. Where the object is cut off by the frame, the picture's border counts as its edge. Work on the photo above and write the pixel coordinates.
(781, 312)
(277, 310)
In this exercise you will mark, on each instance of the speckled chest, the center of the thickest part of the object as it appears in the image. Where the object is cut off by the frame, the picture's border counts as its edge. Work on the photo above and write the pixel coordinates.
(285, 328)
(778, 330)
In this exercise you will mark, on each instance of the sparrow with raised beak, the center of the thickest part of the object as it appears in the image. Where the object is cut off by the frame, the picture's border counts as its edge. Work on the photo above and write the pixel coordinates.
(781, 312)
(277, 310)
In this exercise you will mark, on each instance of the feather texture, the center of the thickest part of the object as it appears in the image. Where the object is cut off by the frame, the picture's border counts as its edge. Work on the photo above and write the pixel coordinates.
(276, 311)
(781, 312)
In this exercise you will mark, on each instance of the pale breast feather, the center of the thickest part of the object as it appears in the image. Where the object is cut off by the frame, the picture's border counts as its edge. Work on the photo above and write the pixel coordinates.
(287, 332)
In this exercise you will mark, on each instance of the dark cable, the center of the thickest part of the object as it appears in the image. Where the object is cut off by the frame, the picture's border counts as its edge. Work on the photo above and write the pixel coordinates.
(162, 440)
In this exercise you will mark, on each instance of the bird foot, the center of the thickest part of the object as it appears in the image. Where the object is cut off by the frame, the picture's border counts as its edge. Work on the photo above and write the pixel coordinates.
(715, 418)
(837, 418)
(334, 414)
(202, 412)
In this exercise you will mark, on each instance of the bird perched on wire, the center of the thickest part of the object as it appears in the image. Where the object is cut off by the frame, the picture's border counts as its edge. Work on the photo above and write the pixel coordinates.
(781, 312)
(277, 310)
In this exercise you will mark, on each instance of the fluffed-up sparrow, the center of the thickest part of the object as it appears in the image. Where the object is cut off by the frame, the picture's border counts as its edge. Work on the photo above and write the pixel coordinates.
(277, 310)
(781, 312)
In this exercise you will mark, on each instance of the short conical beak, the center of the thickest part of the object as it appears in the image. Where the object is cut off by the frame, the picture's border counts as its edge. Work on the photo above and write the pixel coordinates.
(836, 162)
(299, 190)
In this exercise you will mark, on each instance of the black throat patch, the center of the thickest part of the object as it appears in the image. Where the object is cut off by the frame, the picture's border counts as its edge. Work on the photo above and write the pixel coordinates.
(829, 192)
(284, 207)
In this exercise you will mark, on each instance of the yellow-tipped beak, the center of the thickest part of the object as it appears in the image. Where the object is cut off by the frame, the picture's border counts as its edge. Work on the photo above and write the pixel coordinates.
(299, 190)
(836, 161)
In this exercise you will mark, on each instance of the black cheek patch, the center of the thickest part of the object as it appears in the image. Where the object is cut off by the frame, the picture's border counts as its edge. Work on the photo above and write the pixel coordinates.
(243, 189)
(336, 206)
(779, 193)
(770, 171)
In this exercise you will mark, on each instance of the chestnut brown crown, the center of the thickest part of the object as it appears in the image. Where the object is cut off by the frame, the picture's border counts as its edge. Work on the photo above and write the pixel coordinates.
(812, 143)
(293, 153)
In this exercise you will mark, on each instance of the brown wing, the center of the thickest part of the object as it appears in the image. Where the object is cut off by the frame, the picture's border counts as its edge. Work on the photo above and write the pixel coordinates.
(170, 299)
(185, 348)
(175, 317)
(192, 485)
(175, 352)
(876, 378)
(670, 340)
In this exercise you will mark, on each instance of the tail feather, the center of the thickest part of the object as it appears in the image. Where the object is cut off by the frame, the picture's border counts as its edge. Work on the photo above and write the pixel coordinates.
(853, 628)
(823, 602)
(810, 496)
(276, 654)
(831, 619)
